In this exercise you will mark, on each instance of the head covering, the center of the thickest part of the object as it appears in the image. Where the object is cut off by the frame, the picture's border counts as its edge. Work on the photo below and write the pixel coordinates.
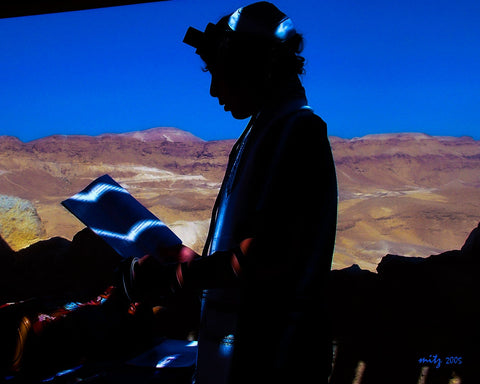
(260, 20)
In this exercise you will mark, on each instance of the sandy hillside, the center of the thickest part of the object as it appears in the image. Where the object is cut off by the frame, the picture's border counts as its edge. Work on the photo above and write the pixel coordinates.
(408, 194)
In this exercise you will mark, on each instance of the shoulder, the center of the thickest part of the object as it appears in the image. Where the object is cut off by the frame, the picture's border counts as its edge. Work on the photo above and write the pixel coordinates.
(302, 127)
(307, 121)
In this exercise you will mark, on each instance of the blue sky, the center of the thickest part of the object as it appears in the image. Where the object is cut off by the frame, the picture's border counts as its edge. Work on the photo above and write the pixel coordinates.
(372, 67)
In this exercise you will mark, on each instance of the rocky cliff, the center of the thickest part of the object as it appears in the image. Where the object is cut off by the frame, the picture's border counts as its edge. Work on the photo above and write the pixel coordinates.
(399, 193)
(20, 224)
(406, 194)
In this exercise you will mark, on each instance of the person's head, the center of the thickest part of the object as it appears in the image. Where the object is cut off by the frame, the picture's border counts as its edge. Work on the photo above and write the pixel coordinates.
(250, 54)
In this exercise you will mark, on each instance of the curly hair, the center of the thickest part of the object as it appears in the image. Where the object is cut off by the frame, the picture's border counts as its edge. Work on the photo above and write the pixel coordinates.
(279, 58)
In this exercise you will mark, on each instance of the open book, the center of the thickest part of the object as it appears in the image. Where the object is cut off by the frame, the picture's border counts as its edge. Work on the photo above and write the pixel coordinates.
(114, 214)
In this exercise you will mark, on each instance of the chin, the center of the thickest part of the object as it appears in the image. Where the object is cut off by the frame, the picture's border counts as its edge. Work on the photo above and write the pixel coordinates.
(241, 115)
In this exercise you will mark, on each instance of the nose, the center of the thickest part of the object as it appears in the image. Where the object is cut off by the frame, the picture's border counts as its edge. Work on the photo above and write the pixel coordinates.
(213, 87)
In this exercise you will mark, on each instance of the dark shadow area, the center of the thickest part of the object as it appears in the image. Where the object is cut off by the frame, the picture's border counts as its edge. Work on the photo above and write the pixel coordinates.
(28, 8)
(415, 317)
(54, 316)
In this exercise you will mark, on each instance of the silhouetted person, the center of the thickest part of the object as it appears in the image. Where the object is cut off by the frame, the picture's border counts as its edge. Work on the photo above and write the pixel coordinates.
(270, 244)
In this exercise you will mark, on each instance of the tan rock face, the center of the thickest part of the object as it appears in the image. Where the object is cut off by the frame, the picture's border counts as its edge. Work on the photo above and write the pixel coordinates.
(408, 194)
(20, 224)
(399, 193)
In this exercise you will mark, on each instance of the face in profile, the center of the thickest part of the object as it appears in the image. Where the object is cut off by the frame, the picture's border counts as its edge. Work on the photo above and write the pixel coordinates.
(237, 84)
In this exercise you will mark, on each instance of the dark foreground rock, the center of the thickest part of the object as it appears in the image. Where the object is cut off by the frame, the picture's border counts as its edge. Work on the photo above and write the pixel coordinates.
(58, 310)
(416, 316)
(414, 321)
(57, 267)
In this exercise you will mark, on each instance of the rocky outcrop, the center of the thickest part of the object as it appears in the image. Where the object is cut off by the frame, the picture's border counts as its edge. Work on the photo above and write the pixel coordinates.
(58, 268)
(59, 308)
(20, 224)
(415, 315)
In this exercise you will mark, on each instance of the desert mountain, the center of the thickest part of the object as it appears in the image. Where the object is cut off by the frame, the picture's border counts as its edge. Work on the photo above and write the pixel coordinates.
(172, 135)
(172, 172)
(409, 194)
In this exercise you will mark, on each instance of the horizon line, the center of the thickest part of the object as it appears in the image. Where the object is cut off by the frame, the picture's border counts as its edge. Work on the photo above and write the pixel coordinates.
(157, 128)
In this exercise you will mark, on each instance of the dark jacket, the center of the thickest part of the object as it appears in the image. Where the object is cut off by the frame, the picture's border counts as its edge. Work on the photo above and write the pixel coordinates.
(283, 193)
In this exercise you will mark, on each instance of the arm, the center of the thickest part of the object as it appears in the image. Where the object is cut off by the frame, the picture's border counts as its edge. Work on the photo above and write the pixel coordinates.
(148, 278)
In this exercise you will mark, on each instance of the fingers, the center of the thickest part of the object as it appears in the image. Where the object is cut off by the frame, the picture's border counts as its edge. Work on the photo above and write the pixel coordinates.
(177, 254)
(246, 244)
(186, 254)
